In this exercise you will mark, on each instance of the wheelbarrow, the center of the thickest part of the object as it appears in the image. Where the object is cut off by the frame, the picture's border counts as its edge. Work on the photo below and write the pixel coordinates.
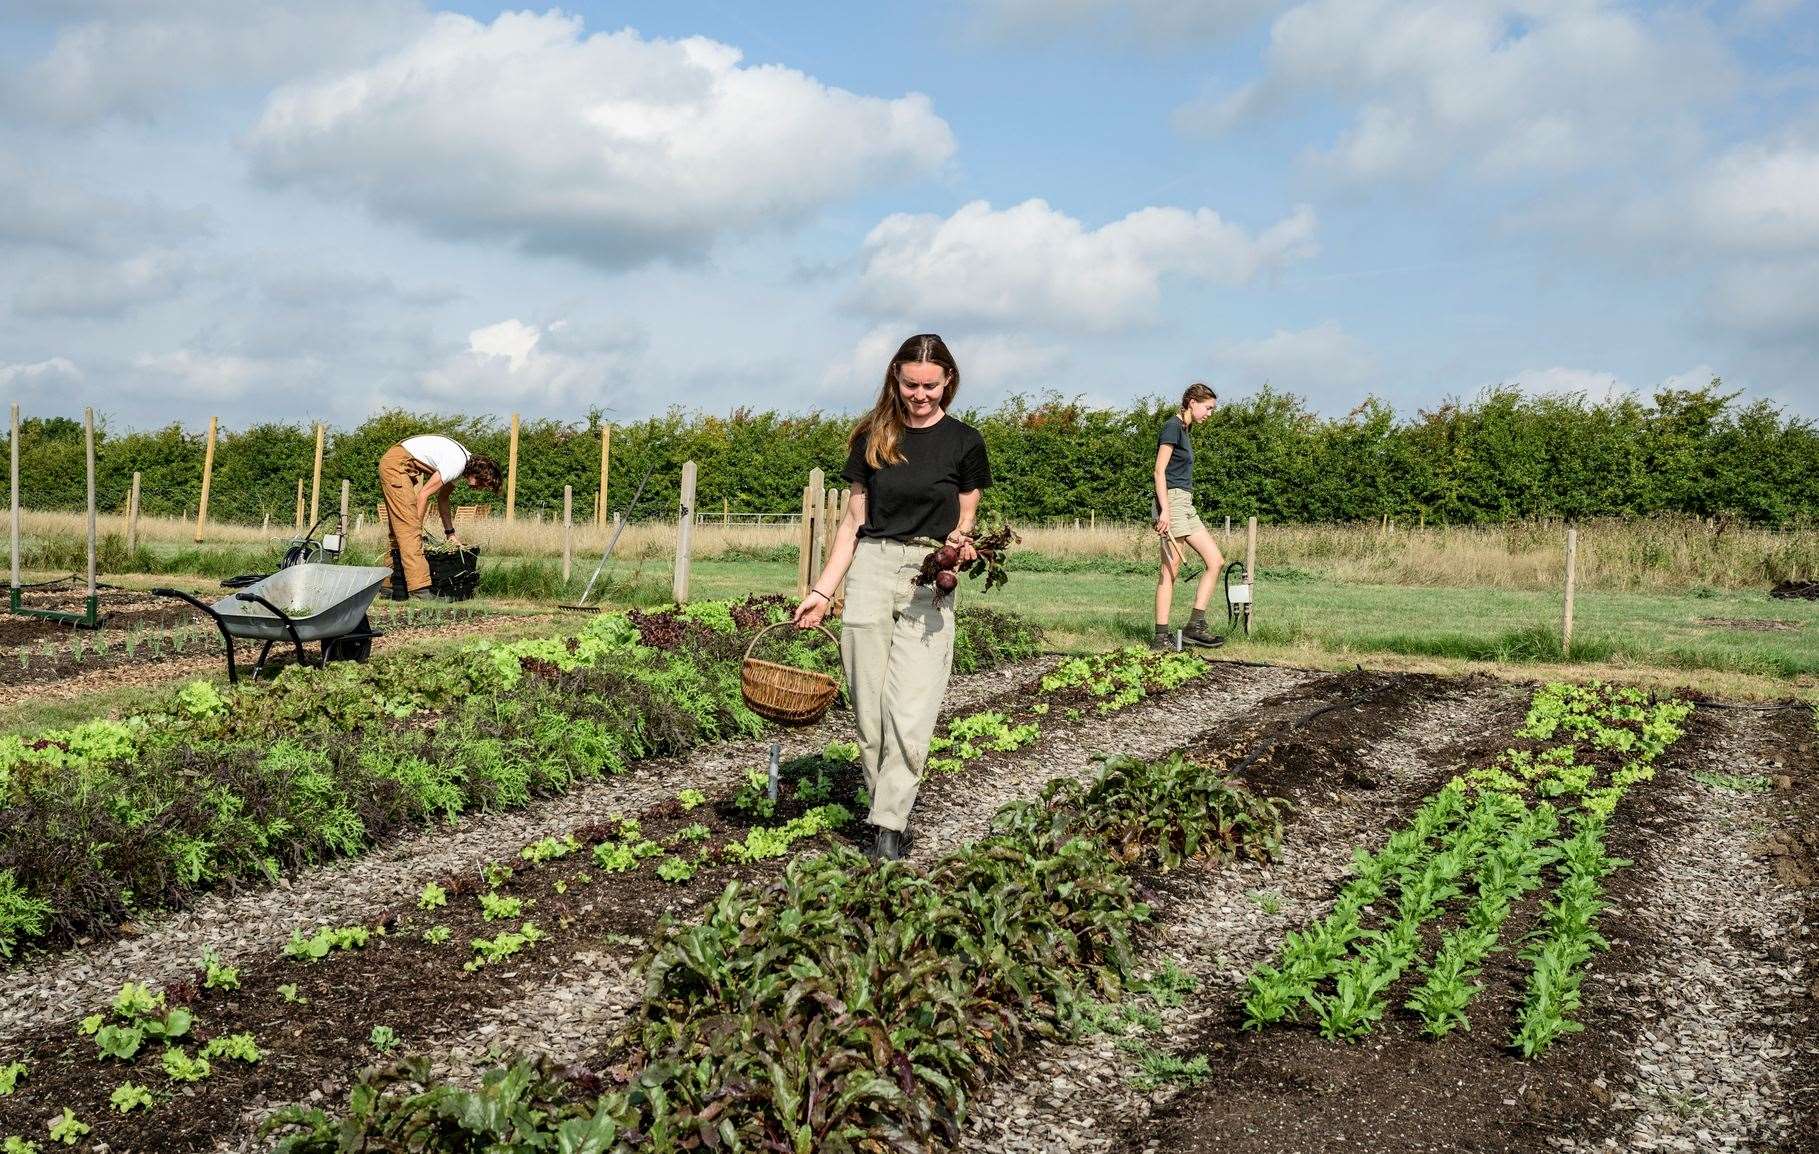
(305, 603)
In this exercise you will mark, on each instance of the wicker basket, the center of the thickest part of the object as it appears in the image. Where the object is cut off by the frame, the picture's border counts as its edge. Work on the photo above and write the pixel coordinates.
(783, 693)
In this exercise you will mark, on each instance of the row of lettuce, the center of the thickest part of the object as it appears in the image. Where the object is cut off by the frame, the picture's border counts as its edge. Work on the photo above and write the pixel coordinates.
(213, 784)
(1464, 861)
(849, 1007)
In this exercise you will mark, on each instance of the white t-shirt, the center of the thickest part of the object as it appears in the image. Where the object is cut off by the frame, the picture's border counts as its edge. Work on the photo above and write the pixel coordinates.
(442, 454)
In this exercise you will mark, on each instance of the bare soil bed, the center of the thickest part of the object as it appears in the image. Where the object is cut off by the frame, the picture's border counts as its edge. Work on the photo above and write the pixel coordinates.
(1701, 1025)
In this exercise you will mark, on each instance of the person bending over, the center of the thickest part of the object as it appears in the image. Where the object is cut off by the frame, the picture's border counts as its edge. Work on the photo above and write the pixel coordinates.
(410, 473)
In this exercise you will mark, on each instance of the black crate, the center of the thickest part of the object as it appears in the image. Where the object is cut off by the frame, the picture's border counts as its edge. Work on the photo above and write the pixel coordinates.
(454, 573)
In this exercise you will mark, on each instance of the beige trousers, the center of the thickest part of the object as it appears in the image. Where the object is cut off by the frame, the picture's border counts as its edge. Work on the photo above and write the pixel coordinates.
(898, 648)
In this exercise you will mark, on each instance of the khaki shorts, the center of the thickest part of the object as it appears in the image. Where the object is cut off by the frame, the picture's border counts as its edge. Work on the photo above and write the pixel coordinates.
(1182, 520)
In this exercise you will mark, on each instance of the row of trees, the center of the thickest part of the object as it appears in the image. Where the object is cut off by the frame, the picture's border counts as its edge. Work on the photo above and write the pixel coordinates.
(1501, 456)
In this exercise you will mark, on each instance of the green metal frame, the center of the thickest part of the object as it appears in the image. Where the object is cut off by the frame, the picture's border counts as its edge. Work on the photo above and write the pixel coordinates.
(89, 618)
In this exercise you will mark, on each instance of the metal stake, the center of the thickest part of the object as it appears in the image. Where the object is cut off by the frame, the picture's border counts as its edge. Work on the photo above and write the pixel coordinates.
(776, 768)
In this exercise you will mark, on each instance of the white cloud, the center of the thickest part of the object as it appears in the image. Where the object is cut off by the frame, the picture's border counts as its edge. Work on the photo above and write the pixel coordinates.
(539, 366)
(1323, 362)
(1032, 264)
(609, 147)
(127, 57)
(39, 211)
(97, 289)
(1594, 384)
(1495, 87)
(1697, 377)
(217, 376)
(1761, 197)
(38, 376)
(1769, 300)
(1160, 22)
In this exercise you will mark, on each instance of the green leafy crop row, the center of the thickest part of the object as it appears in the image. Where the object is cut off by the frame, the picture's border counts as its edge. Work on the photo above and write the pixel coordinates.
(1492, 833)
(108, 817)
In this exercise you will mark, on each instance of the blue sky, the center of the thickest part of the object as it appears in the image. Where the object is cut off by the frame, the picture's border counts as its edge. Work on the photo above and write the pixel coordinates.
(312, 210)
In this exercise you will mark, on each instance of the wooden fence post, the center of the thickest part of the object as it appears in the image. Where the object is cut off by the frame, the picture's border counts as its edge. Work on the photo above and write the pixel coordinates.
(568, 530)
(208, 470)
(315, 485)
(1250, 558)
(726, 513)
(299, 504)
(685, 532)
(1228, 524)
(803, 531)
(265, 526)
(1572, 578)
(511, 475)
(88, 436)
(606, 439)
(830, 518)
(132, 516)
(816, 502)
(15, 498)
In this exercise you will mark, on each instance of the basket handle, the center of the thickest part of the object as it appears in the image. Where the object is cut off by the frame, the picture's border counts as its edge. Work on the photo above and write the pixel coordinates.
(777, 625)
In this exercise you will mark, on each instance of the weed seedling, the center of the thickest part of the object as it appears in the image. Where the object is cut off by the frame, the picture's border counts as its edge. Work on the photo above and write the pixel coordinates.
(383, 1038)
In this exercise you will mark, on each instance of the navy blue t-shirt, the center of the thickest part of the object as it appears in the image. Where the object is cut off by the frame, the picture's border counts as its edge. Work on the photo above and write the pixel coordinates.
(1180, 471)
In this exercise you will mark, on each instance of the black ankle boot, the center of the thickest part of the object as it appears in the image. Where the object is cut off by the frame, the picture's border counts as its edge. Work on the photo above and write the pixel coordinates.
(889, 845)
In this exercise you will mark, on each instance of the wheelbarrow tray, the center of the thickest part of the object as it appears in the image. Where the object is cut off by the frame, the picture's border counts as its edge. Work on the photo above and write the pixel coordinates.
(322, 601)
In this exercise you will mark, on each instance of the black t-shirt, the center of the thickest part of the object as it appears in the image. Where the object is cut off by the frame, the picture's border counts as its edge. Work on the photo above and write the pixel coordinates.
(921, 496)
(1180, 471)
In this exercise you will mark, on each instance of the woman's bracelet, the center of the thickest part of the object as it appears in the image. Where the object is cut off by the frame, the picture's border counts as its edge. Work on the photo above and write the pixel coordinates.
(820, 594)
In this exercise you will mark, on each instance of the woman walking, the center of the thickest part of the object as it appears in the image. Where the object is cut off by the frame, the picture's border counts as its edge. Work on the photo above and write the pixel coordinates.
(410, 473)
(1176, 521)
(916, 472)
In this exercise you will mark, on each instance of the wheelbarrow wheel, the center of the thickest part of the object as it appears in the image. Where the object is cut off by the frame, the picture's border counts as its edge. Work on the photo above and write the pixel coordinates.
(354, 648)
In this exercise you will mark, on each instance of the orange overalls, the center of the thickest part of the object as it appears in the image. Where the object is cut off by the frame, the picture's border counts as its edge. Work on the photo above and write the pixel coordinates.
(399, 476)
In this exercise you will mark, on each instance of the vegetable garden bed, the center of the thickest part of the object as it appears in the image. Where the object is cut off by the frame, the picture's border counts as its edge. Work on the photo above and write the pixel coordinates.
(822, 1003)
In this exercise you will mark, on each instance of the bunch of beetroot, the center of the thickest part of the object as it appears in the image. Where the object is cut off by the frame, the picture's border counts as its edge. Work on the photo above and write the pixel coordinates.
(942, 568)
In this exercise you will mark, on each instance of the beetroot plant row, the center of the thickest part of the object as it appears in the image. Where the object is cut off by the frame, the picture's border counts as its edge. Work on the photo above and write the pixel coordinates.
(846, 1006)
(213, 784)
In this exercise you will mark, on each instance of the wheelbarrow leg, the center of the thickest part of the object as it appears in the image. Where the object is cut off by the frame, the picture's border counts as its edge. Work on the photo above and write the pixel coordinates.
(290, 626)
(227, 639)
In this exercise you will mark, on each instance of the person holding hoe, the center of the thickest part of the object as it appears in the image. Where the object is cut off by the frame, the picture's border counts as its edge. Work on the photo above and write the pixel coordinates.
(917, 472)
(1176, 521)
(410, 473)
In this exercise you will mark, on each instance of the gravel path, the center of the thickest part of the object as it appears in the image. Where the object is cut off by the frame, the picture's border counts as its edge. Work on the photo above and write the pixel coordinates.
(567, 1018)
(1714, 1050)
(1213, 925)
(236, 925)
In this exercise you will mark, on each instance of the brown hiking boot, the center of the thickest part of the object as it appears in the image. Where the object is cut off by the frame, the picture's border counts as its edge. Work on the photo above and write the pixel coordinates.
(1197, 634)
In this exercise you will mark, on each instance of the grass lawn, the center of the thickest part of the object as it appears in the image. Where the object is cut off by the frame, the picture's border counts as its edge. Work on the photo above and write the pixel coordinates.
(1720, 631)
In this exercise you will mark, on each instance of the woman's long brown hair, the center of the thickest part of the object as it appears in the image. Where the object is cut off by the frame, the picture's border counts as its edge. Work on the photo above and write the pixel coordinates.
(883, 427)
